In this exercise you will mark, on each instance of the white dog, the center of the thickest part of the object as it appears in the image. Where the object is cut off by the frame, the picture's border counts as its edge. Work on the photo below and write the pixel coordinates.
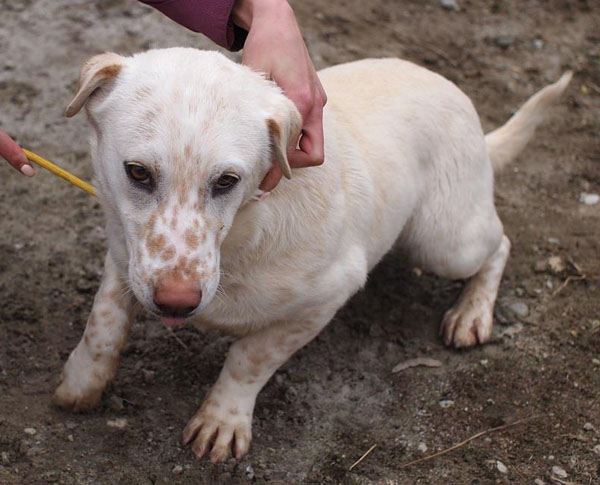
(182, 139)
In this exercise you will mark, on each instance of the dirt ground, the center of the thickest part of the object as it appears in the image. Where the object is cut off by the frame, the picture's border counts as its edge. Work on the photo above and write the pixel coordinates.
(337, 397)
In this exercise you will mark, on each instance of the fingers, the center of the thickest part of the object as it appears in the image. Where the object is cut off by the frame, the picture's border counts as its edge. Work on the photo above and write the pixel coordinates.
(12, 153)
(311, 152)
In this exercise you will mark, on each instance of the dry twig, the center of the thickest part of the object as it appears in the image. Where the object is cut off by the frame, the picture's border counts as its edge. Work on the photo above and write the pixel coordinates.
(580, 276)
(562, 482)
(179, 341)
(361, 459)
(468, 440)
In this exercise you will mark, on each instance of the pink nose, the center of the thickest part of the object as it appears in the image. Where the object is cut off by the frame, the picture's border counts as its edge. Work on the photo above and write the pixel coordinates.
(176, 297)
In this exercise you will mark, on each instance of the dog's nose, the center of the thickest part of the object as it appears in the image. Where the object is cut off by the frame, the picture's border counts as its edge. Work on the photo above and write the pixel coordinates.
(177, 298)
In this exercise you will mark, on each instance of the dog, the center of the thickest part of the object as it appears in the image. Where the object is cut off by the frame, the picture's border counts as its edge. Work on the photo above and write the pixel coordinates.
(181, 141)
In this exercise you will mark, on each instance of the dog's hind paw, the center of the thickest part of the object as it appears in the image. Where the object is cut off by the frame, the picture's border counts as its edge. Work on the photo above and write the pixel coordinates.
(469, 322)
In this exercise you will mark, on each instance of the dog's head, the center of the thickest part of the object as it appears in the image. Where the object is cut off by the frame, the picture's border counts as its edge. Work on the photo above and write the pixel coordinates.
(182, 139)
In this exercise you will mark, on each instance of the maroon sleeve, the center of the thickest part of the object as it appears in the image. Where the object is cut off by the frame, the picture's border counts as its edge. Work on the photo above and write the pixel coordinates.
(209, 17)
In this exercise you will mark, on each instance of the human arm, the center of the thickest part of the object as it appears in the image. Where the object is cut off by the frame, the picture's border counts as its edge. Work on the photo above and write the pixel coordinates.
(275, 46)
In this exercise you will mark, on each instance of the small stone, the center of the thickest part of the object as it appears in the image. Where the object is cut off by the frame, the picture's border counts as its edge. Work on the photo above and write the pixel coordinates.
(596, 450)
(501, 467)
(148, 375)
(539, 481)
(538, 43)
(588, 427)
(291, 394)
(449, 4)
(70, 438)
(446, 403)
(556, 264)
(559, 471)
(589, 199)
(177, 470)
(596, 361)
(519, 308)
(553, 240)
(30, 431)
(504, 41)
(118, 423)
(250, 472)
(4, 457)
(36, 450)
(422, 447)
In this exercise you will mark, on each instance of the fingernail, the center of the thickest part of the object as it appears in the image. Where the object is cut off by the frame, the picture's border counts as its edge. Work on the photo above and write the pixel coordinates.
(27, 170)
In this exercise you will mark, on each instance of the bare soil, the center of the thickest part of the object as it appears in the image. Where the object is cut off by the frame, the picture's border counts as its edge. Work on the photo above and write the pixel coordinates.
(337, 397)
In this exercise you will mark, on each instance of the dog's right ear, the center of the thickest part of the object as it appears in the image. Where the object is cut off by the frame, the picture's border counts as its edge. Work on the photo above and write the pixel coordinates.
(95, 73)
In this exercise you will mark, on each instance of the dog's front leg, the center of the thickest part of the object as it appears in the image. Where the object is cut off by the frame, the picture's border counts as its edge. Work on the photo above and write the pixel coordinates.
(93, 363)
(223, 422)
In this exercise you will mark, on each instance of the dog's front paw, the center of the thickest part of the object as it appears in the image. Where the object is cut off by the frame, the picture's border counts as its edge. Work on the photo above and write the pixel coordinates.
(69, 395)
(219, 429)
(468, 322)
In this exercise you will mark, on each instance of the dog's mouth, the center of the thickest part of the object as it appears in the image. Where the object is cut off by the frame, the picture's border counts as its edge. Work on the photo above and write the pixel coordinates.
(174, 317)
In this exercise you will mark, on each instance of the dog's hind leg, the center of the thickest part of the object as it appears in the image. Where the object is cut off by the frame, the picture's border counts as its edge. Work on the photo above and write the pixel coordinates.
(470, 320)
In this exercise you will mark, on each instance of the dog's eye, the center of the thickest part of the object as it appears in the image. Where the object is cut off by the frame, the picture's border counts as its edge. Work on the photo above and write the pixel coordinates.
(138, 173)
(226, 182)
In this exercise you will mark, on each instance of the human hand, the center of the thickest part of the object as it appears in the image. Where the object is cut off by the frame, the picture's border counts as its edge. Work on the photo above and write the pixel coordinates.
(275, 46)
(12, 153)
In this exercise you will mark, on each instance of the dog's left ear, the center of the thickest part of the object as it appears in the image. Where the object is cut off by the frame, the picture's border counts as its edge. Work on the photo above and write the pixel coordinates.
(95, 73)
(284, 128)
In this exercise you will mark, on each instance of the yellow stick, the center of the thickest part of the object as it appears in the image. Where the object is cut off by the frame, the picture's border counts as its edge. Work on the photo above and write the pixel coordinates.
(59, 172)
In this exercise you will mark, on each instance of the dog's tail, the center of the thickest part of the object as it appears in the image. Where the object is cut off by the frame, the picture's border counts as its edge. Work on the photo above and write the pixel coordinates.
(506, 142)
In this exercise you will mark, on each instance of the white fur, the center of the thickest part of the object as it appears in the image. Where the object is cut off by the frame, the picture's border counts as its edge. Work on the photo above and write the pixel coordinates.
(406, 162)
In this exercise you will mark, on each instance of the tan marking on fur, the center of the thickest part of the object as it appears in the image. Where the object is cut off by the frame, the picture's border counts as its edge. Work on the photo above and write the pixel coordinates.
(152, 223)
(168, 253)
(191, 239)
(116, 295)
(155, 244)
(109, 72)
(174, 218)
(234, 375)
(274, 130)
(104, 314)
(187, 151)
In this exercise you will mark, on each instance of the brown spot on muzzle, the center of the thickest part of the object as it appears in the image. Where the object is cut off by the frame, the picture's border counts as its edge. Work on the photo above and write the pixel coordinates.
(192, 240)
(155, 244)
(168, 253)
